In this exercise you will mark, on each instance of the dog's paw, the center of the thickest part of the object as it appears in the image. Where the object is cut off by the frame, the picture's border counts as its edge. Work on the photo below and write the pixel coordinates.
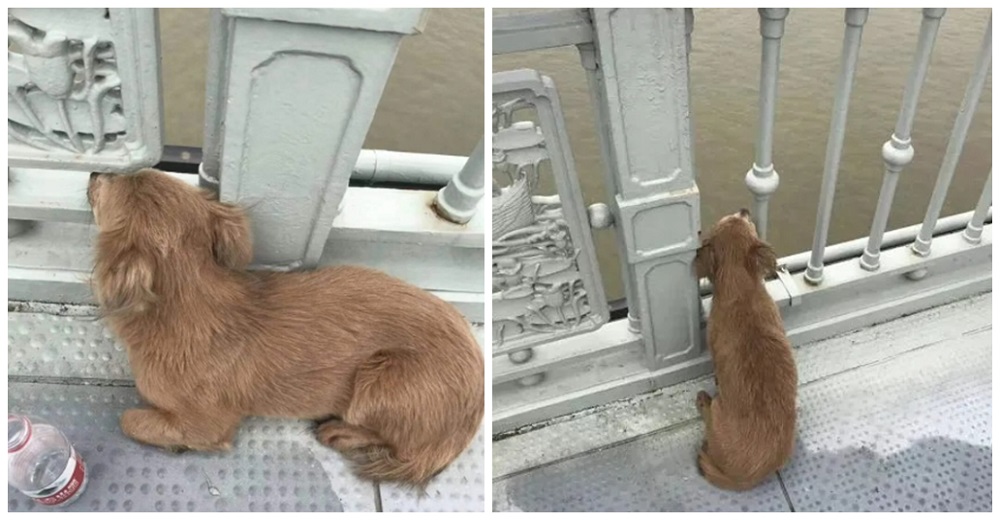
(131, 422)
(703, 400)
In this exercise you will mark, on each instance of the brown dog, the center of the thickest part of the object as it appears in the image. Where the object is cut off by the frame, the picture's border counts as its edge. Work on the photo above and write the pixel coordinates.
(750, 423)
(393, 372)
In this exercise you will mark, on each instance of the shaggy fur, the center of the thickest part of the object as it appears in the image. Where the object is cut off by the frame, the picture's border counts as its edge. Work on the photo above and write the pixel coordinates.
(750, 423)
(392, 372)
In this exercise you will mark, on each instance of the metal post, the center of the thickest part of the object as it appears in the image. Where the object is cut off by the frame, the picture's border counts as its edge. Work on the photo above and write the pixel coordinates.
(855, 20)
(457, 201)
(897, 152)
(974, 231)
(588, 58)
(922, 245)
(288, 112)
(762, 179)
(642, 55)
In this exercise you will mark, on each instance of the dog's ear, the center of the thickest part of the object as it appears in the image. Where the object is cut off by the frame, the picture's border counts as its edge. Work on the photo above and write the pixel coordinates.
(763, 260)
(125, 284)
(704, 260)
(231, 242)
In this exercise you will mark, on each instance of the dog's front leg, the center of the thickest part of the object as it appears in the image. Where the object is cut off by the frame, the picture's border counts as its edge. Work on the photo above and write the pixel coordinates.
(150, 426)
(166, 430)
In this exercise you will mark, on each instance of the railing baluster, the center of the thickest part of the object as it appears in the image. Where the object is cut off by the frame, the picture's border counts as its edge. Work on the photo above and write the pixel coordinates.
(974, 231)
(897, 152)
(922, 245)
(458, 200)
(855, 20)
(762, 179)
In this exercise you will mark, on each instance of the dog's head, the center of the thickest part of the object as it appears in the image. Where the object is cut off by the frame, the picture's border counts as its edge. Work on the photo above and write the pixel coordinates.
(149, 222)
(733, 243)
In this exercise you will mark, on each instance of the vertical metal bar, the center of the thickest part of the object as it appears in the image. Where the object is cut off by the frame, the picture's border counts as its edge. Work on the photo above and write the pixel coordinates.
(974, 231)
(762, 179)
(642, 55)
(595, 80)
(897, 152)
(457, 201)
(855, 20)
(922, 244)
(215, 96)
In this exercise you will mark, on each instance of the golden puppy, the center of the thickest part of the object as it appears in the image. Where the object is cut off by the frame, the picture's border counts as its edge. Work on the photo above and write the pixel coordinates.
(393, 372)
(750, 423)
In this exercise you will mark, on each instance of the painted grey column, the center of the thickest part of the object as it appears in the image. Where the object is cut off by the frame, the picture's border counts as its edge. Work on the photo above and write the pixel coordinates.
(762, 179)
(457, 201)
(288, 106)
(855, 20)
(897, 152)
(922, 245)
(642, 55)
(595, 79)
(974, 231)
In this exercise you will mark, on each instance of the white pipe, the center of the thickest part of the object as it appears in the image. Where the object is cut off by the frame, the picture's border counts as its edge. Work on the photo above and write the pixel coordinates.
(404, 167)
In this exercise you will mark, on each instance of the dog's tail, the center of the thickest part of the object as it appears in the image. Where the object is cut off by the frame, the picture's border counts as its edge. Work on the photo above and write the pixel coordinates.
(719, 479)
(379, 464)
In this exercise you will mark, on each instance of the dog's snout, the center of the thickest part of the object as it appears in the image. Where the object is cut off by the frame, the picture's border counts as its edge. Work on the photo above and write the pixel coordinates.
(745, 213)
(94, 175)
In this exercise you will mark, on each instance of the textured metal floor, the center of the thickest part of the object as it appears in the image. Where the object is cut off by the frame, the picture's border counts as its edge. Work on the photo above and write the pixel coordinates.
(895, 417)
(65, 367)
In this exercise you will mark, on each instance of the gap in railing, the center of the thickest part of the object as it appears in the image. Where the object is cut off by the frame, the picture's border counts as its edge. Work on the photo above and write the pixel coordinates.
(185, 159)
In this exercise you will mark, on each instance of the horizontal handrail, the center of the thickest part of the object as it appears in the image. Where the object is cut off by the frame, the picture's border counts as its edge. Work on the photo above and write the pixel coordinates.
(533, 31)
(852, 248)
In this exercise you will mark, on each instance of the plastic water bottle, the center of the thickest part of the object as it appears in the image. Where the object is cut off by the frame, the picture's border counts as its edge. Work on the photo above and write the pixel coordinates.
(42, 464)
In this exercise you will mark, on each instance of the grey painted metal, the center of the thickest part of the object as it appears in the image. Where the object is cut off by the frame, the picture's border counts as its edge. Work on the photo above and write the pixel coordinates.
(897, 152)
(974, 231)
(83, 89)
(951, 400)
(68, 347)
(392, 230)
(850, 299)
(273, 466)
(291, 108)
(404, 167)
(642, 57)
(459, 200)
(925, 442)
(922, 244)
(652, 473)
(855, 20)
(60, 196)
(597, 428)
(541, 30)
(595, 80)
(546, 283)
(891, 239)
(762, 179)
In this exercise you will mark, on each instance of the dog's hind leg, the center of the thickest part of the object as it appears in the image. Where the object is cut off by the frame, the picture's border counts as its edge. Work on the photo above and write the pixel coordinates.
(346, 438)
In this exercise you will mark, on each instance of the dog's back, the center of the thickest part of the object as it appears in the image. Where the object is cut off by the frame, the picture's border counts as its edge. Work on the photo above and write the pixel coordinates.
(417, 371)
(750, 424)
(753, 417)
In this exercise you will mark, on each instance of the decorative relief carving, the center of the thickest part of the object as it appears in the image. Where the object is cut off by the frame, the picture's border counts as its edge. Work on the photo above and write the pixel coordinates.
(63, 87)
(539, 293)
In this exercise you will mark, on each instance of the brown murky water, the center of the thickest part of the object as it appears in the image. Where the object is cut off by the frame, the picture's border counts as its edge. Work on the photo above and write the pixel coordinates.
(725, 66)
(433, 102)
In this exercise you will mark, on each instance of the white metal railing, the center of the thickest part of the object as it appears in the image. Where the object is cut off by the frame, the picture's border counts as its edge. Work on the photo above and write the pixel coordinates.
(291, 94)
(642, 130)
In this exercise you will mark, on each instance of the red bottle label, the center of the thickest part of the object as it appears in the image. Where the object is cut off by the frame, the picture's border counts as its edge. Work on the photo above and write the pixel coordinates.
(77, 473)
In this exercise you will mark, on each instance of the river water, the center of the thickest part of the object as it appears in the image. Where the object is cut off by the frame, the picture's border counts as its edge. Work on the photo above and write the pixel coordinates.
(725, 63)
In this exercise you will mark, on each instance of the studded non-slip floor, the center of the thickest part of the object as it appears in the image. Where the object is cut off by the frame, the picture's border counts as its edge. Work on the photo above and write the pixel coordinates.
(895, 417)
(63, 366)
